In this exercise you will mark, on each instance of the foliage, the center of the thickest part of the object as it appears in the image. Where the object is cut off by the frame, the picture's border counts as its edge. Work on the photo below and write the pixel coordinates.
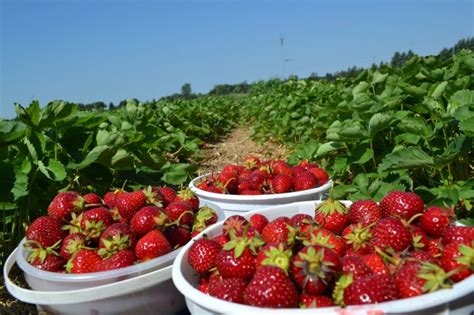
(408, 127)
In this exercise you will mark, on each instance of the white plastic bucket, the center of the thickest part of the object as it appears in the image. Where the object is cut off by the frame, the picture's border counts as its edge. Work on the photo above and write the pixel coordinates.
(237, 204)
(150, 293)
(457, 300)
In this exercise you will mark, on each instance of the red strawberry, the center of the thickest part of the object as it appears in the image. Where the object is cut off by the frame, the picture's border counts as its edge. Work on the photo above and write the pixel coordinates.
(203, 218)
(297, 169)
(228, 289)
(300, 220)
(332, 215)
(357, 239)
(314, 267)
(92, 199)
(204, 284)
(229, 181)
(365, 212)
(95, 221)
(419, 238)
(307, 165)
(153, 244)
(243, 186)
(235, 224)
(271, 287)
(258, 221)
(221, 239)
(375, 263)
(257, 181)
(282, 183)
(84, 261)
(423, 256)
(64, 204)
(356, 266)
(232, 263)
(121, 259)
(434, 247)
(111, 196)
(314, 301)
(116, 237)
(169, 194)
(251, 162)
(202, 254)
(187, 195)
(435, 220)
(180, 213)
(374, 288)
(128, 203)
(304, 180)
(50, 262)
(279, 230)
(250, 192)
(416, 278)
(320, 174)
(326, 238)
(45, 231)
(147, 219)
(177, 235)
(457, 234)
(72, 244)
(401, 204)
(281, 167)
(390, 232)
(458, 256)
(274, 255)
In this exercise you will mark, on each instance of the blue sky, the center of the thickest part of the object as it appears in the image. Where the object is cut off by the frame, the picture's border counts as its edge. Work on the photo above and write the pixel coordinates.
(104, 50)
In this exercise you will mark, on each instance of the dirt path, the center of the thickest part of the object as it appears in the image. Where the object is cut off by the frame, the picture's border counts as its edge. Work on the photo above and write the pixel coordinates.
(235, 147)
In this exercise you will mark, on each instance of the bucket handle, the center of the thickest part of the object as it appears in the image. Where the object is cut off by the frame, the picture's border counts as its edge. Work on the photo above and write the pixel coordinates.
(126, 286)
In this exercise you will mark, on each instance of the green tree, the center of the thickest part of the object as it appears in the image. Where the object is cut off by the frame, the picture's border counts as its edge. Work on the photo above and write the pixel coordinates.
(186, 90)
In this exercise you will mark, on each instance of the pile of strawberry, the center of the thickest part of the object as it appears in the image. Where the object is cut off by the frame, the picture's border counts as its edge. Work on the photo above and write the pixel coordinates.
(257, 177)
(367, 253)
(88, 234)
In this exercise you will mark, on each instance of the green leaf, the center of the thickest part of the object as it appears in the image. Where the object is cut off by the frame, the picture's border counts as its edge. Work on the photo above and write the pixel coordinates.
(360, 88)
(378, 77)
(460, 98)
(439, 90)
(20, 187)
(34, 112)
(467, 126)
(43, 169)
(31, 149)
(11, 131)
(415, 125)
(407, 138)
(327, 147)
(122, 159)
(405, 158)
(93, 156)
(58, 170)
(176, 174)
(378, 122)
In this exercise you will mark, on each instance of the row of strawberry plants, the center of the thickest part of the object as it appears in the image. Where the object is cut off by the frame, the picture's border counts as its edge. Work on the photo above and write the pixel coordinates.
(392, 128)
(59, 147)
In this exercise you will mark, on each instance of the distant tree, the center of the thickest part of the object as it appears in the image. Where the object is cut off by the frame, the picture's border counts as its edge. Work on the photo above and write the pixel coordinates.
(186, 90)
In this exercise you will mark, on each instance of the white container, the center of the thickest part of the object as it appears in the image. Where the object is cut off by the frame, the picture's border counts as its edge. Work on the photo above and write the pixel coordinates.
(237, 204)
(457, 300)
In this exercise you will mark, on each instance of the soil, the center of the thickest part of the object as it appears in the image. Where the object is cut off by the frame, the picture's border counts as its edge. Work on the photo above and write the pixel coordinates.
(232, 148)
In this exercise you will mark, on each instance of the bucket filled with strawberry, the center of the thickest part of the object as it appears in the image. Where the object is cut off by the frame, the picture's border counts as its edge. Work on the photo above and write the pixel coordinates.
(87, 241)
(256, 184)
(336, 256)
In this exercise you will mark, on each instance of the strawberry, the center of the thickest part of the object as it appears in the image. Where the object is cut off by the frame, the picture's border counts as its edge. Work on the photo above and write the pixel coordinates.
(282, 183)
(320, 174)
(458, 258)
(375, 263)
(111, 196)
(390, 232)
(221, 239)
(365, 212)
(121, 259)
(72, 244)
(228, 289)
(401, 204)
(258, 221)
(277, 255)
(300, 220)
(92, 199)
(307, 165)
(177, 235)
(235, 224)
(332, 215)
(116, 237)
(50, 262)
(304, 180)
(271, 287)
(203, 218)
(434, 247)
(279, 230)
(419, 238)
(169, 194)
(281, 167)
(151, 245)
(435, 220)
(202, 254)
(457, 234)
(147, 219)
(229, 181)
(416, 278)
(95, 221)
(64, 204)
(203, 284)
(374, 288)
(250, 193)
(251, 162)
(356, 266)
(357, 239)
(314, 267)
(423, 256)
(180, 213)
(128, 203)
(84, 261)
(233, 263)
(297, 169)
(257, 181)
(326, 238)
(45, 231)
(243, 186)
(244, 175)
(314, 301)
(187, 195)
